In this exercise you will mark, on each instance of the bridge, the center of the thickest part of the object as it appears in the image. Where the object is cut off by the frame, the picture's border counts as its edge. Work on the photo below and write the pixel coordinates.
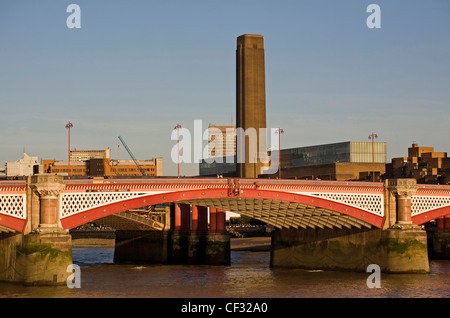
(281, 203)
(324, 210)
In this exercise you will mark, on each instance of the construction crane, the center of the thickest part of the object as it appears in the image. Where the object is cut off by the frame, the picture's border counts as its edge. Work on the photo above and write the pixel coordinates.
(131, 155)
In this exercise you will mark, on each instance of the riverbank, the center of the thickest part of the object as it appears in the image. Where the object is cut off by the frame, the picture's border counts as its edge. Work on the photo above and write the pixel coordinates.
(236, 244)
(255, 244)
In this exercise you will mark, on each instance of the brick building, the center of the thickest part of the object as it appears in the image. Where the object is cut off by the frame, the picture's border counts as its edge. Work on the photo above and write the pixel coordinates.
(97, 163)
(423, 164)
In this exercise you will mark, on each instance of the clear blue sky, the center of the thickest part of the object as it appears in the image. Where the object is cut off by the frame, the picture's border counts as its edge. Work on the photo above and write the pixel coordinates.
(137, 68)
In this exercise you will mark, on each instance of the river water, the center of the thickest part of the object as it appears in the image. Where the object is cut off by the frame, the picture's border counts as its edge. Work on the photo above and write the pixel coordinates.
(248, 276)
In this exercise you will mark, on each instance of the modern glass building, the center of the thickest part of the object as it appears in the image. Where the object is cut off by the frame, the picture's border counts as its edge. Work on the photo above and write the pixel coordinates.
(349, 151)
(344, 160)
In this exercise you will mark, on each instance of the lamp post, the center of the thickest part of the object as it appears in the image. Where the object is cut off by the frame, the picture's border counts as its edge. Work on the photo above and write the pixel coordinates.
(373, 136)
(177, 127)
(68, 126)
(279, 132)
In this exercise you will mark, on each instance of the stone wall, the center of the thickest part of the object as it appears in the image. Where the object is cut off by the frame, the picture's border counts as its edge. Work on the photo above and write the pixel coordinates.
(394, 250)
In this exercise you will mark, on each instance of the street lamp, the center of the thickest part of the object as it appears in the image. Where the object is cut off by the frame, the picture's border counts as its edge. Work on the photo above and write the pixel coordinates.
(177, 127)
(373, 136)
(68, 126)
(279, 132)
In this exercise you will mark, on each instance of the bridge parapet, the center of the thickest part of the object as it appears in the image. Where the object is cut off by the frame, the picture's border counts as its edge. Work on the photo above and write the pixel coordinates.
(430, 202)
(13, 207)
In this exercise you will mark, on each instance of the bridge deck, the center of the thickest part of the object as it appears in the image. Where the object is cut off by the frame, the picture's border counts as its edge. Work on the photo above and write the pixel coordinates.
(283, 203)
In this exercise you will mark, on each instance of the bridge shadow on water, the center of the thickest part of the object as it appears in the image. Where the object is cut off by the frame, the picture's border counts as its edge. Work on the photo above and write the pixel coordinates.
(248, 276)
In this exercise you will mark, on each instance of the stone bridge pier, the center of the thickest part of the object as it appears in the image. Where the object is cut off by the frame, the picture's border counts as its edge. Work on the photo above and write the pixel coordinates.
(398, 247)
(41, 254)
(186, 239)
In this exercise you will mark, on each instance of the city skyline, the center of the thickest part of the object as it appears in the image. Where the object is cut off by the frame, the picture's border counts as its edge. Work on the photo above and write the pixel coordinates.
(138, 69)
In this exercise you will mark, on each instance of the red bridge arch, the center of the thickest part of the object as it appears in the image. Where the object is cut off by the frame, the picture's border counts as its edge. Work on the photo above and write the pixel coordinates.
(202, 196)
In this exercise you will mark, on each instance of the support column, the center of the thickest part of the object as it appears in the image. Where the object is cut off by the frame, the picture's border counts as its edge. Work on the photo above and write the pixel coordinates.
(195, 244)
(220, 221)
(185, 217)
(177, 217)
(403, 189)
(440, 239)
(48, 188)
(212, 219)
(202, 218)
(195, 220)
(443, 224)
(218, 242)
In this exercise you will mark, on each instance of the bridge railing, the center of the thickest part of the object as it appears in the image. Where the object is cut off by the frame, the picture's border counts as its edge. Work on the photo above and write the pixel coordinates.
(224, 181)
(211, 181)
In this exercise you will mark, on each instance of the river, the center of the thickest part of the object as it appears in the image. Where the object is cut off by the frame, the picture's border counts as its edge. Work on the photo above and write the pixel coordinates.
(248, 276)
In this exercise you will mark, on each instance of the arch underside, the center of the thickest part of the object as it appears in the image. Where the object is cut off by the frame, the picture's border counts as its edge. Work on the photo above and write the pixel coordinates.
(10, 224)
(130, 221)
(5, 229)
(283, 214)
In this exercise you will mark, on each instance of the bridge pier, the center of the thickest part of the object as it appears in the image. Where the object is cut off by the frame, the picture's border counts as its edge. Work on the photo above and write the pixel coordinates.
(185, 240)
(439, 239)
(40, 255)
(398, 247)
(192, 242)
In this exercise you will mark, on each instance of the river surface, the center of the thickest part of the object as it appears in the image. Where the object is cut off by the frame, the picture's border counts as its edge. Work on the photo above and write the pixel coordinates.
(248, 276)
